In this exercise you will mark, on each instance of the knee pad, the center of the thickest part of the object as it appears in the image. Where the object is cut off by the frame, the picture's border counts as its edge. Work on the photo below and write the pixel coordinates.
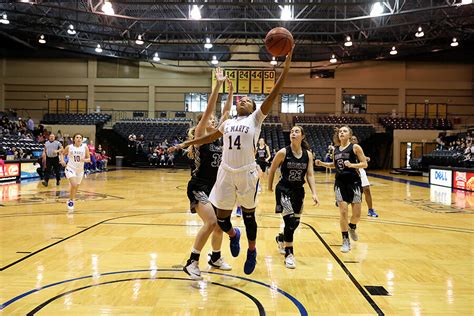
(250, 225)
(291, 223)
(224, 224)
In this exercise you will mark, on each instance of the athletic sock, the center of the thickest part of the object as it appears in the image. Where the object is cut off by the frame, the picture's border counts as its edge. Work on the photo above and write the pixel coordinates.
(352, 226)
(288, 251)
(195, 254)
(215, 255)
(345, 235)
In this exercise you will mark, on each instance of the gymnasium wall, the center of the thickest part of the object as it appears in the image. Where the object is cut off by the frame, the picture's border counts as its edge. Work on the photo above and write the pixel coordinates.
(28, 84)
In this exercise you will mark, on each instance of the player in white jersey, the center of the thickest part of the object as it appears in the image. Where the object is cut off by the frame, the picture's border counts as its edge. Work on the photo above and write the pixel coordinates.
(365, 184)
(237, 177)
(77, 154)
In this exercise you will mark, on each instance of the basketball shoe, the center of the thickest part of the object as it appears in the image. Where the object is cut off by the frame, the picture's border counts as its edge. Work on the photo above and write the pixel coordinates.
(192, 269)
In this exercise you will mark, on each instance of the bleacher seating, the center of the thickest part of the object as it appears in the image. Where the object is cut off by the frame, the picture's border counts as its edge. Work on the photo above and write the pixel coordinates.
(76, 118)
(273, 136)
(332, 120)
(27, 145)
(159, 120)
(320, 136)
(271, 119)
(416, 123)
(156, 132)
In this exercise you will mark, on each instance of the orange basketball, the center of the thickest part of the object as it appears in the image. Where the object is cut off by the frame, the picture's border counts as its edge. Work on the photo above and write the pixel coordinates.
(279, 41)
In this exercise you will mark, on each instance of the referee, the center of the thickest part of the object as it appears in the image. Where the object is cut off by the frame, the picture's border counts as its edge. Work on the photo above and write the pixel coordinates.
(52, 148)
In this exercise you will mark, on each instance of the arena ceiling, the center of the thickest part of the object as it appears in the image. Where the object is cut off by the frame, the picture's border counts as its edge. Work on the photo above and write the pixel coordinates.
(320, 28)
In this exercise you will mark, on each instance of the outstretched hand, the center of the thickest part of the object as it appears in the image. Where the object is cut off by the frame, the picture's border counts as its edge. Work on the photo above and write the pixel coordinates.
(220, 75)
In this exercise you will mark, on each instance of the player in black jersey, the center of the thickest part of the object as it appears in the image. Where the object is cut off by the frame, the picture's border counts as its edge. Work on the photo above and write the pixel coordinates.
(296, 162)
(348, 158)
(206, 161)
(262, 154)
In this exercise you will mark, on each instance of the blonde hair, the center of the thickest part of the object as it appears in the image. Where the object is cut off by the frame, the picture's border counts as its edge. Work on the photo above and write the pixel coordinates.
(192, 149)
(335, 137)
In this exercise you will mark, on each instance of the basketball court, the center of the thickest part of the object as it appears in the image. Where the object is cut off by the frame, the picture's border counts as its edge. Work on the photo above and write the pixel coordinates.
(122, 250)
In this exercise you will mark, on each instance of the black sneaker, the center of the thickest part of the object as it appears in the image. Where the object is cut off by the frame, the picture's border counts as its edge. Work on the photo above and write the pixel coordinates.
(45, 183)
(57, 182)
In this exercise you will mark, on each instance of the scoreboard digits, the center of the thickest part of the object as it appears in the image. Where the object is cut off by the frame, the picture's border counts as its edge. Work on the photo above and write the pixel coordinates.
(247, 81)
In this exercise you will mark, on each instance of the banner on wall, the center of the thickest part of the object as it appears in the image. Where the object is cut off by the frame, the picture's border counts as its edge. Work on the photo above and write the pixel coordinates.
(441, 177)
(28, 170)
(464, 180)
(247, 81)
(10, 172)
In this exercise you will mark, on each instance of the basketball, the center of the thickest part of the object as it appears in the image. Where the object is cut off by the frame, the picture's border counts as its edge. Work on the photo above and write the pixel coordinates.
(279, 41)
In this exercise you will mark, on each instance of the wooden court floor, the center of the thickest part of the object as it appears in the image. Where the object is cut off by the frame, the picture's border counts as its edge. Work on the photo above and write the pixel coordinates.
(121, 253)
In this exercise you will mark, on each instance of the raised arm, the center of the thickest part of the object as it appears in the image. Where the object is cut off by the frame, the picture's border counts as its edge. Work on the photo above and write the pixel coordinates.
(228, 103)
(211, 104)
(310, 178)
(268, 103)
(277, 161)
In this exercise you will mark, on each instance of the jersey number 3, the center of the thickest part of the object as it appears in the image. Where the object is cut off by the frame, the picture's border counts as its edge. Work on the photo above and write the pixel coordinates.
(236, 142)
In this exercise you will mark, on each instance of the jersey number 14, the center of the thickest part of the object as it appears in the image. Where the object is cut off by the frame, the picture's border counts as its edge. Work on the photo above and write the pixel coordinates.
(236, 142)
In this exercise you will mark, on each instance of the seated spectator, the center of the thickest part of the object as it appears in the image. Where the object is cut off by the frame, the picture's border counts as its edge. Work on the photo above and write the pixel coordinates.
(153, 156)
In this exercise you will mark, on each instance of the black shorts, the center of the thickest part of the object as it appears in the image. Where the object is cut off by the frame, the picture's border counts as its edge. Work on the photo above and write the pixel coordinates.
(262, 164)
(198, 191)
(348, 190)
(289, 199)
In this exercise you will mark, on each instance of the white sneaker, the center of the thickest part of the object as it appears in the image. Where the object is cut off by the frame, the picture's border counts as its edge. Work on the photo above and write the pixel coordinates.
(220, 264)
(346, 245)
(192, 269)
(70, 205)
(281, 245)
(353, 234)
(290, 262)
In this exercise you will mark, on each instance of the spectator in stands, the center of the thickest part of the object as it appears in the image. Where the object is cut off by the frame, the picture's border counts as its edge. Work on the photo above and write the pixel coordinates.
(153, 156)
(59, 137)
(170, 161)
(105, 159)
(51, 151)
(440, 140)
(30, 124)
(140, 142)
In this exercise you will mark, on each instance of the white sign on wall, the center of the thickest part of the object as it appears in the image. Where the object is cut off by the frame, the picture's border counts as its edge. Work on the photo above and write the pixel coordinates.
(441, 177)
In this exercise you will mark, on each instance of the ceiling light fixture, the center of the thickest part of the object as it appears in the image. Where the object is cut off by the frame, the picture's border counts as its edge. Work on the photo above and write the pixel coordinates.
(286, 13)
(333, 59)
(107, 8)
(455, 42)
(4, 19)
(98, 49)
(71, 30)
(214, 60)
(156, 57)
(42, 40)
(139, 40)
(208, 44)
(273, 62)
(393, 51)
(348, 42)
(464, 2)
(195, 13)
(377, 9)
(420, 32)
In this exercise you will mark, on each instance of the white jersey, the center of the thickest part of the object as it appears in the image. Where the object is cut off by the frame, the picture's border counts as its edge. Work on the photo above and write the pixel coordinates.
(76, 157)
(240, 138)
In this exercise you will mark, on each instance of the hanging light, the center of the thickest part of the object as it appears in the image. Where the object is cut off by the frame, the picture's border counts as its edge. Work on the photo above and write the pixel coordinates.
(156, 57)
(455, 42)
(139, 40)
(393, 51)
(208, 44)
(463, 2)
(98, 49)
(4, 19)
(377, 9)
(214, 60)
(107, 8)
(333, 59)
(71, 30)
(420, 32)
(348, 42)
(42, 40)
(273, 62)
(286, 13)
(195, 13)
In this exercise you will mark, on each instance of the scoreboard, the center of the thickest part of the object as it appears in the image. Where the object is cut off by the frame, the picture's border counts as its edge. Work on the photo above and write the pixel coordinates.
(247, 81)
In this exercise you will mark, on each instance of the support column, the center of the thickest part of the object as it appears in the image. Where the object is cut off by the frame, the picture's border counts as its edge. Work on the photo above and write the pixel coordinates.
(151, 101)
(90, 98)
(2, 96)
(338, 103)
(402, 92)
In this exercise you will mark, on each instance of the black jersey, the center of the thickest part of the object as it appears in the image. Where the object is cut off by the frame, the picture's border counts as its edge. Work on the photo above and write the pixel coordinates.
(261, 153)
(207, 159)
(293, 170)
(340, 156)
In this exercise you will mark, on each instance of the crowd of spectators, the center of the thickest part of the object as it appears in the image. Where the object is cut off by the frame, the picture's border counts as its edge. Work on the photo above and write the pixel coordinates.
(156, 153)
(460, 146)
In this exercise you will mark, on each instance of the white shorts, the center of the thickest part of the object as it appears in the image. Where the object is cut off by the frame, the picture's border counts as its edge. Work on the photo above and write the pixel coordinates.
(363, 178)
(74, 176)
(235, 186)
